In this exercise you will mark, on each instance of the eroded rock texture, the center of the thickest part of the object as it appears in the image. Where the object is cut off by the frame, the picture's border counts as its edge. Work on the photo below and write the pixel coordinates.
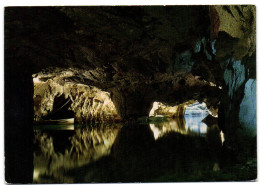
(235, 51)
(88, 103)
(169, 111)
(139, 54)
(239, 23)
(55, 98)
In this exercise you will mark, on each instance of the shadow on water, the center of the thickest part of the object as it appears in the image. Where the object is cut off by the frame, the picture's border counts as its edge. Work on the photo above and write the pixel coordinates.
(154, 152)
(137, 157)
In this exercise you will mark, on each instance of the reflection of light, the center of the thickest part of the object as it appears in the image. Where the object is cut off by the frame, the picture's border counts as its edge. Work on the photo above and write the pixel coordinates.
(203, 128)
(35, 174)
(195, 124)
(194, 127)
(222, 137)
(86, 145)
(192, 124)
(160, 116)
(194, 114)
(70, 127)
(156, 131)
(67, 121)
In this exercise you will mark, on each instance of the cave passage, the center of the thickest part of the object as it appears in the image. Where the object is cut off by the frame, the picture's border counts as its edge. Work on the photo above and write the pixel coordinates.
(130, 94)
(61, 109)
(184, 140)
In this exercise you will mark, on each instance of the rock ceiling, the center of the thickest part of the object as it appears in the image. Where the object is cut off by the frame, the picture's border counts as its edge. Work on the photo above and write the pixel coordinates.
(140, 54)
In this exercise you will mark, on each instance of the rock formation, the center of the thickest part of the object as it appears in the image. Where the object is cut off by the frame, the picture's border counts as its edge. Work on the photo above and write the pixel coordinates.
(138, 55)
(88, 103)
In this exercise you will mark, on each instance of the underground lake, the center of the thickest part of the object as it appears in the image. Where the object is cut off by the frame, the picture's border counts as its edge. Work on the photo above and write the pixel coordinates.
(110, 94)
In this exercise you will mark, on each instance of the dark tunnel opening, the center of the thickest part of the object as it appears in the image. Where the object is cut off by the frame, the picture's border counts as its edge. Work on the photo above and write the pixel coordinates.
(61, 109)
(84, 117)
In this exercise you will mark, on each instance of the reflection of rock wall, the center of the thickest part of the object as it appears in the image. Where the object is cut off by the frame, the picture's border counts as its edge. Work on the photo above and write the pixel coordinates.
(132, 140)
(160, 128)
(88, 103)
(92, 143)
(87, 145)
(170, 125)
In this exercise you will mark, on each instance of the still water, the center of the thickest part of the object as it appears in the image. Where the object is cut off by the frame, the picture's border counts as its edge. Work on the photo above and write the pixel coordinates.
(144, 152)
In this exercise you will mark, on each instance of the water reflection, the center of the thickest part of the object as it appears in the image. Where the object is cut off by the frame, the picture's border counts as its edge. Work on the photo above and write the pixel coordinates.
(166, 125)
(191, 125)
(58, 150)
(195, 124)
(124, 153)
(194, 114)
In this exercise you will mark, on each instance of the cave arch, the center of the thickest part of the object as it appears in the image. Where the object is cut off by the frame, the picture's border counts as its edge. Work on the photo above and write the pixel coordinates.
(133, 61)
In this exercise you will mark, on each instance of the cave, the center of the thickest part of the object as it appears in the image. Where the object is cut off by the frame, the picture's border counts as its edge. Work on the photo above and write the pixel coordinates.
(130, 94)
(60, 109)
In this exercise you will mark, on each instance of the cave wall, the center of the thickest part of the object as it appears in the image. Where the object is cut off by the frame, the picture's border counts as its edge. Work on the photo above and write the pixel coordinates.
(169, 111)
(169, 54)
(240, 23)
(234, 77)
(236, 53)
(121, 49)
(18, 129)
(89, 104)
(247, 113)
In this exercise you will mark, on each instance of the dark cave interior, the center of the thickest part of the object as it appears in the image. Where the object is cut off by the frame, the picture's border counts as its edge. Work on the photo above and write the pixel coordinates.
(123, 78)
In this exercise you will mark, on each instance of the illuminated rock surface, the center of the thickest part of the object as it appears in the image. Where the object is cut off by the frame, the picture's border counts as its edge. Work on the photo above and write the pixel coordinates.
(247, 113)
(88, 103)
(107, 64)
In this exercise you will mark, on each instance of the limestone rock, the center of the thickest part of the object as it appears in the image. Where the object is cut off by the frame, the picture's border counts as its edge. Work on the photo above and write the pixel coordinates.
(88, 103)
(210, 120)
(247, 113)
(240, 23)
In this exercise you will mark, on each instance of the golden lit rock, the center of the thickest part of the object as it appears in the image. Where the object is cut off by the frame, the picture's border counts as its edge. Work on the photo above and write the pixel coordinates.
(88, 103)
